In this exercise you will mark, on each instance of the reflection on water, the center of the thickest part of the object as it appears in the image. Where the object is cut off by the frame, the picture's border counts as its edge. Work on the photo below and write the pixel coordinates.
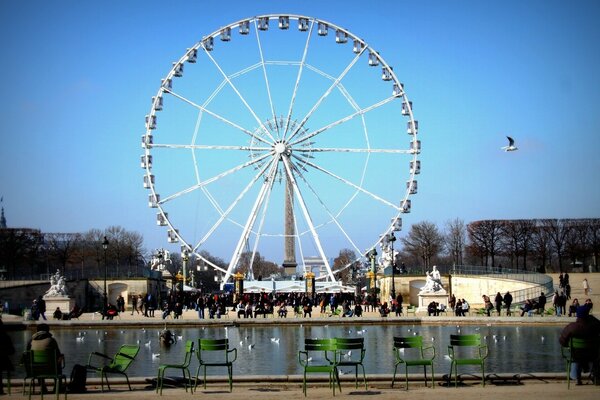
(518, 349)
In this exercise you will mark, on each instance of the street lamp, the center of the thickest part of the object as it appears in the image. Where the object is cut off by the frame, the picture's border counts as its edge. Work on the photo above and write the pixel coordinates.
(373, 274)
(105, 247)
(185, 257)
(392, 239)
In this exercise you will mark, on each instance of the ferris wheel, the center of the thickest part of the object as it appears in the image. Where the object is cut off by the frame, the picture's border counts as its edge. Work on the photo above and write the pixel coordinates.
(285, 137)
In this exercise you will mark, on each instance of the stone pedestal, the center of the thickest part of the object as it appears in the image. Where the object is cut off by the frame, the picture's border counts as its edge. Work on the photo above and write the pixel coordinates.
(440, 297)
(64, 302)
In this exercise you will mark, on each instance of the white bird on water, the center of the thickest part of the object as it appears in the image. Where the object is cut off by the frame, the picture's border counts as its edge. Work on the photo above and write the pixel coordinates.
(148, 344)
(511, 145)
(275, 340)
(251, 346)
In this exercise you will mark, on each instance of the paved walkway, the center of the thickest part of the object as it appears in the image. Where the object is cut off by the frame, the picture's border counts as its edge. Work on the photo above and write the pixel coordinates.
(530, 389)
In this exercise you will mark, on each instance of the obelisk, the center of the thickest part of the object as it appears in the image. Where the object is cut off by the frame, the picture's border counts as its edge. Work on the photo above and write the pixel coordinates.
(289, 256)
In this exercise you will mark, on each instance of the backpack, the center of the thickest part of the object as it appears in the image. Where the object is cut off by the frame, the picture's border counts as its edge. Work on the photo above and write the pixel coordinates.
(78, 379)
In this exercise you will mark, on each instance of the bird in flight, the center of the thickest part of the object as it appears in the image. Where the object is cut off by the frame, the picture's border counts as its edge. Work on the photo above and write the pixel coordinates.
(511, 145)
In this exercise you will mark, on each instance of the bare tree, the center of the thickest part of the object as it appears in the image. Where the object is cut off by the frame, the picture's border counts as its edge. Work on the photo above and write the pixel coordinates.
(512, 241)
(62, 248)
(594, 240)
(424, 241)
(485, 236)
(455, 239)
(346, 257)
(558, 229)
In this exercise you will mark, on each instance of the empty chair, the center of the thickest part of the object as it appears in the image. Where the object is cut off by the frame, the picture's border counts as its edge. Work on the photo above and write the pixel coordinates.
(184, 367)
(411, 352)
(352, 353)
(320, 356)
(215, 353)
(466, 350)
(119, 364)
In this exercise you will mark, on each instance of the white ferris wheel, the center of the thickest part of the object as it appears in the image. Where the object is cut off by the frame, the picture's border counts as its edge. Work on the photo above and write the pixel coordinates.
(285, 137)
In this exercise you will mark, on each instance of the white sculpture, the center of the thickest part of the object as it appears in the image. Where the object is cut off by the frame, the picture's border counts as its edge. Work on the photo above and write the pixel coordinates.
(57, 286)
(433, 283)
(387, 257)
(159, 260)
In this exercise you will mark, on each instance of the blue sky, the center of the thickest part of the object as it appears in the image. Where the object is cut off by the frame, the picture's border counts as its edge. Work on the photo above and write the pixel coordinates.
(79, 76)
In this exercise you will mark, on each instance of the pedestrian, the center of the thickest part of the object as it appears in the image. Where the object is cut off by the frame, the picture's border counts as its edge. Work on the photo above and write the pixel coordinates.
(585, 327)
(498, 301)
(586, 287)
(508, 301)
(487, 304)
(42, 307)
(452, 302)
(121, 303)
(556, 303)
(542, 304)
(561, 281)
(568, 291)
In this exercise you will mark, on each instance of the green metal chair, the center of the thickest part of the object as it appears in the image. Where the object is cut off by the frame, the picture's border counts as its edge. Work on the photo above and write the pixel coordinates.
(117, 365)
(346, 347)
(215, 353)
(43, 364)
(411, 352)
(189, 351)
(476, 353)
(578, 347)
(320, 355)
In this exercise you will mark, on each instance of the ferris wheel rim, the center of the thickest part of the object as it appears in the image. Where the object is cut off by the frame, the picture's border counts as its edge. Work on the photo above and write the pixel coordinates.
(163, 89)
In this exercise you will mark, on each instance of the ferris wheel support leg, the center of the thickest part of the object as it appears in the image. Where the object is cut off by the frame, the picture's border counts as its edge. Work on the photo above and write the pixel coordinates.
(249, 223)
(288, 169)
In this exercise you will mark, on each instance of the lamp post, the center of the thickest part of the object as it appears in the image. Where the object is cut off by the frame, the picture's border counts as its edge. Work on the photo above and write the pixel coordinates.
(105, 247)
(392, 239)
(185, 259)
(373, 274)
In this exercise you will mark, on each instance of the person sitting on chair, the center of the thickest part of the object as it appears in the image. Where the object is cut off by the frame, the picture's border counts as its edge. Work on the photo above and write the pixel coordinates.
(43, 340)
(282, 312)
(432, 309)
(586, 326)
(358, 309)
(384, 310)
(57, 313)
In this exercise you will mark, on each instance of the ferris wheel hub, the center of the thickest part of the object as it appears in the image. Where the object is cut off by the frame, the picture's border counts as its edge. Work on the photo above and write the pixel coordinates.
(281, 148)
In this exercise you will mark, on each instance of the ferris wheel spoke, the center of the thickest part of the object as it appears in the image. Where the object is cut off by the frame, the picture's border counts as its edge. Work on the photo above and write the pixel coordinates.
(300, 70)
(342, 120)
(223, 215)
(331, 215)
(217, 116)
(209, 147)
(250, 221)
(327, 92)
(262, 61)
(243, 100)
(347, 182)
(350, 150)
(214, 178)
(307, 217)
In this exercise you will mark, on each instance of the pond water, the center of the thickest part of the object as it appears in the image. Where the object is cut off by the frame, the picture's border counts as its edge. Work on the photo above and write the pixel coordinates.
(512, 348)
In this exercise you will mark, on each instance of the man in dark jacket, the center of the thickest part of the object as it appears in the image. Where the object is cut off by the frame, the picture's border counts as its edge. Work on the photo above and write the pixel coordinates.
(585, 327)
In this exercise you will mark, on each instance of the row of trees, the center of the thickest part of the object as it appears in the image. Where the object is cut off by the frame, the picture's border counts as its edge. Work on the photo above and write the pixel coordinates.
(26, 253)
(526, 244)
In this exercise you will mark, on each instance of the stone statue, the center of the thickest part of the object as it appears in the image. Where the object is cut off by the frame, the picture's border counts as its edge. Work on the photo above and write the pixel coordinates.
(433, 283)
(387, 258)
(57, 286)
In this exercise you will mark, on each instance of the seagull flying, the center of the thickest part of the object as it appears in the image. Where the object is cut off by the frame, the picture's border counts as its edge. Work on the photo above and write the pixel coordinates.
(511, 145)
